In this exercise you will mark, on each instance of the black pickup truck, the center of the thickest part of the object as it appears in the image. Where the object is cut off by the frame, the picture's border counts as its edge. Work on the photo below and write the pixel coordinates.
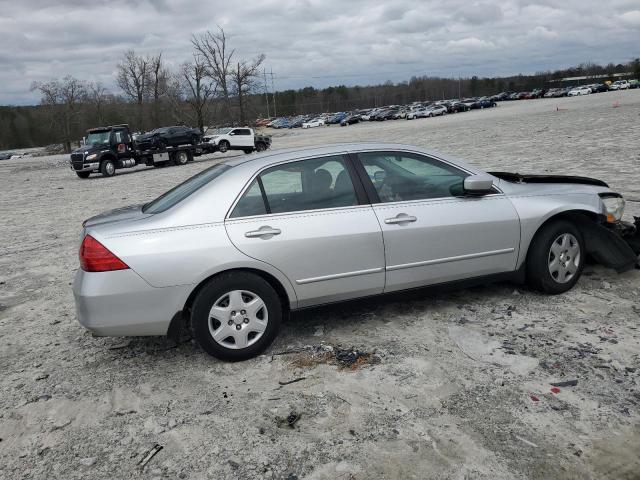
(107, 149)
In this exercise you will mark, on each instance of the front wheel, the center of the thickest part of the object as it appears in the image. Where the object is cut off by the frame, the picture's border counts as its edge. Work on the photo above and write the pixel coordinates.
(236, 316)
(223, 146)
(83, 174)
(107, 168)
(556, 257)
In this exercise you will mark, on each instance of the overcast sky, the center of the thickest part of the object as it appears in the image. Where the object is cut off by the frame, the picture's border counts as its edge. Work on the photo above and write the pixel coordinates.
(318, 43)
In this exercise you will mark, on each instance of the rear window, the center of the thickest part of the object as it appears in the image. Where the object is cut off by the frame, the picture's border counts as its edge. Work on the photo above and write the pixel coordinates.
(186, 188)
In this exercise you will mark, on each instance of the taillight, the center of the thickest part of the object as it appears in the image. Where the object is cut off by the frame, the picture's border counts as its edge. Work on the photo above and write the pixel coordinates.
(94, 257)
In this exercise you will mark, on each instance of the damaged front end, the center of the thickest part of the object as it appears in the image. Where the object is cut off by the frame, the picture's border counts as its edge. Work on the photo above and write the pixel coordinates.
(614, 245)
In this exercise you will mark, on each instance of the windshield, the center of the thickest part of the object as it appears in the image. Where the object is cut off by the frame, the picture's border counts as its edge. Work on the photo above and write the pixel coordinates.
(224, 131)
(98, 138)
(182, 191)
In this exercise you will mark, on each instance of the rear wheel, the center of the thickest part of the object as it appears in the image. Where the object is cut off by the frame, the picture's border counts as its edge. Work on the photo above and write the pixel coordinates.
(556, 257)
(223, 146)
(180, 158)
(236, 316)
(248, 150)
(107, 168)
(83, 174)
(260, 147)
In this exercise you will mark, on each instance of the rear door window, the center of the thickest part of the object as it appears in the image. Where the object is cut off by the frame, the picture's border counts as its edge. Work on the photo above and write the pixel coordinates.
(312, 184)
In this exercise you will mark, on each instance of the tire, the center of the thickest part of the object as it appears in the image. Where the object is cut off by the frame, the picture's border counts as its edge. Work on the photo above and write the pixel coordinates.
(107, 168)
(223, 292)
(181, 157)
(83, 174)
(223, 146)
(260, 147)
(161, 144)
(248, 150)
(556, 257)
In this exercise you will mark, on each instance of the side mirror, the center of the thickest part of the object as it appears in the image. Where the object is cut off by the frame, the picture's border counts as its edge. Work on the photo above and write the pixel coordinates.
(477, 185)
(232, 133)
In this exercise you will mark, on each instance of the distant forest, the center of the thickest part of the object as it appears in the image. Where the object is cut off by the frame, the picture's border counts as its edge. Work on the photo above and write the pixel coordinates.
(198, 98)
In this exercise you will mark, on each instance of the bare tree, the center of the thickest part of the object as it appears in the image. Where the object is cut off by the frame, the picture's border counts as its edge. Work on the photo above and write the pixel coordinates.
(196, 89)
(133, 78)
(218, 61)
(158, 84)
(64, 99)
(244, 80)
(97, 96)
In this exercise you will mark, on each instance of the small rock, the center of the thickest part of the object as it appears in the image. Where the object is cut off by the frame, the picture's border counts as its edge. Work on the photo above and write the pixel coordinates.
(606, 285)
(42, 376)
(88, 462)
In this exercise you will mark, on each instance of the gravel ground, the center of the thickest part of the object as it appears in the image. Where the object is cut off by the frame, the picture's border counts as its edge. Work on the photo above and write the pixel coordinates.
(438, 384)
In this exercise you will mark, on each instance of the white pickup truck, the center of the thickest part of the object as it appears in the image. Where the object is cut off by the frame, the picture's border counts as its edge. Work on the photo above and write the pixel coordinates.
(238, 138)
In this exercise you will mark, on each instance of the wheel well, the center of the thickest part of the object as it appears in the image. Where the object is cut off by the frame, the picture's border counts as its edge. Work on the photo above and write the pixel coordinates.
(108, 156)
(273, 281)
(577, 217)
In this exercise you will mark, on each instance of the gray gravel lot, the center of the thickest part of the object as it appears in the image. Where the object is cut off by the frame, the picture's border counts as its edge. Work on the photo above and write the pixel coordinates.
(450, 384)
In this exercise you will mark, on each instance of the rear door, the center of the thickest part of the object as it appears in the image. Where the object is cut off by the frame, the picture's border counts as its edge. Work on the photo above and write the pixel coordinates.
(432, 232)
(311, 220)
(242, 138)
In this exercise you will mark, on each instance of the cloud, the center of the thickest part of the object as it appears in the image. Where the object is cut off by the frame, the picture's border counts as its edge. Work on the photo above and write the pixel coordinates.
(314, 42)
(631, 19)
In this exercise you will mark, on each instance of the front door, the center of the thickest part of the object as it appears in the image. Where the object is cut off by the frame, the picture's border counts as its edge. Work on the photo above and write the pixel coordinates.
(305, 218)
(432, 232)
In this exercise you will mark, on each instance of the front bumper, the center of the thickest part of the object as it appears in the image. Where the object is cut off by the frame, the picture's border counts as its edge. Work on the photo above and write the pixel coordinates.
(615, 245)
(121, 303)
(86, 167)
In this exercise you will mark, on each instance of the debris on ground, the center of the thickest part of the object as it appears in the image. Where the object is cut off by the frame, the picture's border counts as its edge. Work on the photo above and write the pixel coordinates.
(290, 421)
(345, 358)
(289, 382)
(149, 455)
(568, 383)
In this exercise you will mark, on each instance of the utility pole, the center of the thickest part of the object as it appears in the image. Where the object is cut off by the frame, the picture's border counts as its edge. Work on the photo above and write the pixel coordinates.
(273, 90)
(459, 98)
(266, 91)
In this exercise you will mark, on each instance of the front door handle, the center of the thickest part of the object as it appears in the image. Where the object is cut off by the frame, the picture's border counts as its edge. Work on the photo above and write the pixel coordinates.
(265, 232)
(400, 218)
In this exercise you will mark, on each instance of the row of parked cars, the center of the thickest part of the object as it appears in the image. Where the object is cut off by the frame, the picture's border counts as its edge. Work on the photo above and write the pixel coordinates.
(433, 109)
(390, 112)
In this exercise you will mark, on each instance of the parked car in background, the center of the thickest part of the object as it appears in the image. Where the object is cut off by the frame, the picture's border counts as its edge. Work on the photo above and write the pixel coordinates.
(169, 137)
(316, 122)
(619, 85)
(574, 92)
(231, 138)
(231, 251)
(487, 103)
(5, 156)
(336, 118)
(350, 120)
(436, 111)
(598, 88)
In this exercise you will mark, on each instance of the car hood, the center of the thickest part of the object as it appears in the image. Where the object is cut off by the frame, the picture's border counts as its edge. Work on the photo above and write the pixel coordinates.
(133, 212)
(88, 149)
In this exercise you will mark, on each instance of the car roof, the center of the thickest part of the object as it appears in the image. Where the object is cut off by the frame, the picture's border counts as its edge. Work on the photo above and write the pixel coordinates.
(278, 156)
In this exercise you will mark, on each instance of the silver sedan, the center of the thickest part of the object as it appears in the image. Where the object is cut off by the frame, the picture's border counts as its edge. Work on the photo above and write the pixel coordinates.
(234, 249)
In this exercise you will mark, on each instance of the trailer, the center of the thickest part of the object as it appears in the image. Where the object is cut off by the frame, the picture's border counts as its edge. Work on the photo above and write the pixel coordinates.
(110, 148)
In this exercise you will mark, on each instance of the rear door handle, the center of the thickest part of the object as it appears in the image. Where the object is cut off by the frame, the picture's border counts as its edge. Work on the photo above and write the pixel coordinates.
(265, 232)
(400, 218)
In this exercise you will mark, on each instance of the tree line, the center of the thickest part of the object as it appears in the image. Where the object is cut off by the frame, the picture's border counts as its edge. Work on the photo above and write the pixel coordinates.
(216, 88)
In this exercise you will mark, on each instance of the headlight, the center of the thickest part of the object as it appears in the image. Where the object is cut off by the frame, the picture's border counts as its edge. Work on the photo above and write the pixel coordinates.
(92, 156)
(613, 208)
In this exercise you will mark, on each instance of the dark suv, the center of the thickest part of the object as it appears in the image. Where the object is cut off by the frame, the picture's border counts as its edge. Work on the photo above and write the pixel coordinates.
(168, 137)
